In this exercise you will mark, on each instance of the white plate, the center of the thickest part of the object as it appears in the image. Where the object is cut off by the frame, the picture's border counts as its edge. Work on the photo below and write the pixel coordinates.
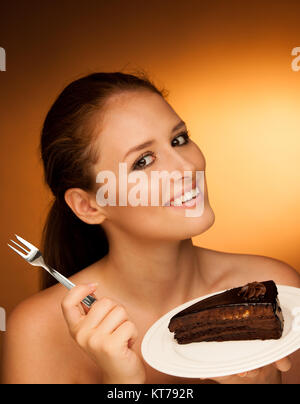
(216, 359)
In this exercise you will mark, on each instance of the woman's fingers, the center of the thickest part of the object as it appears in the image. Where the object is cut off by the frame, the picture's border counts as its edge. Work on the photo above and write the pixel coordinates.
(105, 334)
(71, 304)
(99, 310)
(106, 315)
(250, 373)
(113, 320)
(283, 364)
(126, 333)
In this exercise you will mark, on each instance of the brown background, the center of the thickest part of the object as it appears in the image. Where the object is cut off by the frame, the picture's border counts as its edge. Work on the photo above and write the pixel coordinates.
(227, 65)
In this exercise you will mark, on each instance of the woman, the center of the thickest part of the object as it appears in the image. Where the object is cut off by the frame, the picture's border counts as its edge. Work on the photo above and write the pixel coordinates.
(139, 261)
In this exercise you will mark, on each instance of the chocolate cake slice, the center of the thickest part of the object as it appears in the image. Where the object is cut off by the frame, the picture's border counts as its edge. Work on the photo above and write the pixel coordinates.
(246, 313)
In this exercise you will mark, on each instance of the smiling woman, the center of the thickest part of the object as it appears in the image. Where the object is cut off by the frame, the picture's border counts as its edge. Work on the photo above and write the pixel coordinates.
(138, 261)
(72, 151)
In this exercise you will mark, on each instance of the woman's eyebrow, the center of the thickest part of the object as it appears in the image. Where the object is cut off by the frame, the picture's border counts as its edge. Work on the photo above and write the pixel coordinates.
(150, 142)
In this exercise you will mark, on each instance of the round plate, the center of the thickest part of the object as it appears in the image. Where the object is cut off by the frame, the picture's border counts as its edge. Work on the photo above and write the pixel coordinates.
(216, 359)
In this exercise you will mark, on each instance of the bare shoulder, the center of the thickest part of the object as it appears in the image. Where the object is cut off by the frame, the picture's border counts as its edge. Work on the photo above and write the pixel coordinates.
(40, 309)
(38, 347)
(236, 269)
(267, 268)
(33, 329)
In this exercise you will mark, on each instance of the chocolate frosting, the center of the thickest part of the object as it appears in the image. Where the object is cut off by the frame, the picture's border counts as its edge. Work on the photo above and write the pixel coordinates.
(253, 291)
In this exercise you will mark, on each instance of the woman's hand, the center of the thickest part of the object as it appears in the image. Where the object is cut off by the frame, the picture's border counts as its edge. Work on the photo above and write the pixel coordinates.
(266, 375)
(105, 334)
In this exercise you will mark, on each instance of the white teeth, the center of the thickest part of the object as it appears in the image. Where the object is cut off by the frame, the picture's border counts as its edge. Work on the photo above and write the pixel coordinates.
(186, 197)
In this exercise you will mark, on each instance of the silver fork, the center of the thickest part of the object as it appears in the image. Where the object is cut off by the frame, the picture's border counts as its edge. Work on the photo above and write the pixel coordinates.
(34, 257)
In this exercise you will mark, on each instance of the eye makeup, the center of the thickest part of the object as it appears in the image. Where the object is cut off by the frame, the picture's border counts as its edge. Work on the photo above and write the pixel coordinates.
(136, 165)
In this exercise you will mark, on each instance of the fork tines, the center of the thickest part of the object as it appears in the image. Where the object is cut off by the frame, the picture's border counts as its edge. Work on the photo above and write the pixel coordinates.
(24, 242)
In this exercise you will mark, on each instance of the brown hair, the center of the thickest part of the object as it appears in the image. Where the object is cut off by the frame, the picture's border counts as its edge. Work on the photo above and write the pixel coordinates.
(68, 153)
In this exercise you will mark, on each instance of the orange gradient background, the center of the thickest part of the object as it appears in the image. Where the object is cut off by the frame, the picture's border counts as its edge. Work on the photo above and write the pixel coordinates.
(227, 65)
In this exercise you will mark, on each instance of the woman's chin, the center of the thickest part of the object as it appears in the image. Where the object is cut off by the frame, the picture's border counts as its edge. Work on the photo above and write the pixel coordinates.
(193, 226)
(204, 222)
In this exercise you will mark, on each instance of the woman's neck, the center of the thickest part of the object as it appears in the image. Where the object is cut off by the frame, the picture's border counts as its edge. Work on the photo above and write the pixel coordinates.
(157, 276)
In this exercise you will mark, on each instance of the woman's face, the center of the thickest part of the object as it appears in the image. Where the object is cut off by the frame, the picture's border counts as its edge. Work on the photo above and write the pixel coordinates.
(132, 119)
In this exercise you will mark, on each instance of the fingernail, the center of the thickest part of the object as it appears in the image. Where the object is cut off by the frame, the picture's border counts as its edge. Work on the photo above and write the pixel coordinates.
(253, 373)
(243, 374)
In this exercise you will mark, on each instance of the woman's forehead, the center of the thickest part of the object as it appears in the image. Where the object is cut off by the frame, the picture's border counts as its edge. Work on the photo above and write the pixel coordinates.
(135, 118)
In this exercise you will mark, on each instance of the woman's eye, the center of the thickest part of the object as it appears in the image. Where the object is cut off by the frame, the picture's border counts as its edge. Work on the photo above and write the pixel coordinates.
(148, 157)
(184, 139)
(144, 161)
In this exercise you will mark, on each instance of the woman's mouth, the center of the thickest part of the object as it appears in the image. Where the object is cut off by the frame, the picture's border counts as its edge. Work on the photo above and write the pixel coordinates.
(187, 200)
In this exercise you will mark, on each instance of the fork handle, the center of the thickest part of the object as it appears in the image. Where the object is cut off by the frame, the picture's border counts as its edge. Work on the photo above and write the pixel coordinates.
(87, 301)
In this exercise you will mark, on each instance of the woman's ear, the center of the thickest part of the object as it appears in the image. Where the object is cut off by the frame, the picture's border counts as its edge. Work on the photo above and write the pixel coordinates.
(84, 206)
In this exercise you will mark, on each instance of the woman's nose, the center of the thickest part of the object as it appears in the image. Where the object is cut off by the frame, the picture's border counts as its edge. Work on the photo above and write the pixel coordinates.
(181, 162)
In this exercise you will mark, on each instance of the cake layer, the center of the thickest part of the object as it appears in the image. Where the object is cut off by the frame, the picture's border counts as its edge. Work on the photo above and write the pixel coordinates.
(232, 336)
(259, 329)
(236, 312)
(263, 323)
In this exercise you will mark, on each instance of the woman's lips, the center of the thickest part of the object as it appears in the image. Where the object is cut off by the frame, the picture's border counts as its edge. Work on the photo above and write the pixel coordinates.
(188, 189)
(189, 204)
